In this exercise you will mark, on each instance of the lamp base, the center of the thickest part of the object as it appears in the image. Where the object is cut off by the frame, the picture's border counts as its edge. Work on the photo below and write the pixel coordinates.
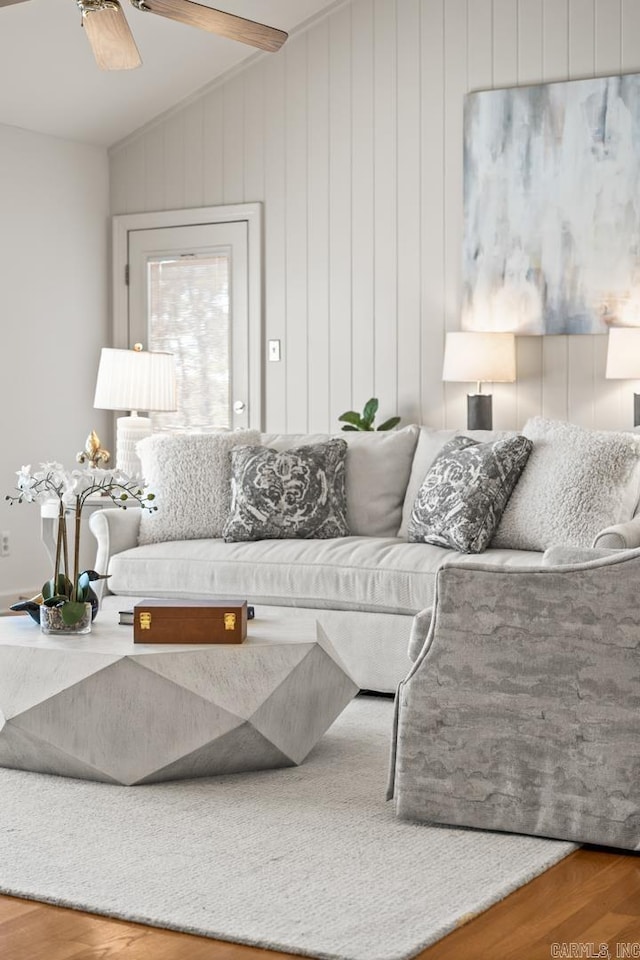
(479, 413)
(130, 430)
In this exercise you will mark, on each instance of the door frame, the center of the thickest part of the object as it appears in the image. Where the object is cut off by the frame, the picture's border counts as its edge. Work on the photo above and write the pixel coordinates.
(251, 213)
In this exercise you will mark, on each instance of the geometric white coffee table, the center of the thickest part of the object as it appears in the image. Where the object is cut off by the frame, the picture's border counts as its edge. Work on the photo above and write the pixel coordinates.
(100, 707)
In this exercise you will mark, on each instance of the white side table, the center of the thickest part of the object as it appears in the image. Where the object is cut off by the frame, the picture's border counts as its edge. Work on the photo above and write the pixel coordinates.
(48, 529)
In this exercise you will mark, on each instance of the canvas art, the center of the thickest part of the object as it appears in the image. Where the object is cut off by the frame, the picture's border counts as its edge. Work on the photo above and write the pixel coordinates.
(552, 207)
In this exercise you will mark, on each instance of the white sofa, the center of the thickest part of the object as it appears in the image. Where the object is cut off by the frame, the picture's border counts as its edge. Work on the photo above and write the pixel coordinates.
(364, 589)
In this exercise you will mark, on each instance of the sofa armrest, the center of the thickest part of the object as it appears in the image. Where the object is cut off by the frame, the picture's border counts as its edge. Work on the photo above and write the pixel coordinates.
(620, 536)
(419, 632)
(568, 556)
(115, 530)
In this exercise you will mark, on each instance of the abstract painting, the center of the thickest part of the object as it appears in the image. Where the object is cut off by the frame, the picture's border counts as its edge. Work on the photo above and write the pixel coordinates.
(552, 207)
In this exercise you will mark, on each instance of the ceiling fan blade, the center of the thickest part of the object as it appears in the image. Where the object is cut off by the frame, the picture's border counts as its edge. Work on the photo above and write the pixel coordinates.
(224, 24)
(7, 3)
(109, 35)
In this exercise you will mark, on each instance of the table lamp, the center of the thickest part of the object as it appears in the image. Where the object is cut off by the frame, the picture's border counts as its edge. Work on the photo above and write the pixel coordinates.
(134, 380)
(623, 360)
(483, 357)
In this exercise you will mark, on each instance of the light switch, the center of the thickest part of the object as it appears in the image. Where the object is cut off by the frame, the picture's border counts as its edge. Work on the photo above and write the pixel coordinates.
(274, 351)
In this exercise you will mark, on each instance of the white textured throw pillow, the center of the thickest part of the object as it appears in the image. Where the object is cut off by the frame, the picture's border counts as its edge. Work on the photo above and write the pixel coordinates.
(576, 482)
(190, 475)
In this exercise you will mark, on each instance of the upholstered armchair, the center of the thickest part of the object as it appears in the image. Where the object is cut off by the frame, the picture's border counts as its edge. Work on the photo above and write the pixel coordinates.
(522, 709)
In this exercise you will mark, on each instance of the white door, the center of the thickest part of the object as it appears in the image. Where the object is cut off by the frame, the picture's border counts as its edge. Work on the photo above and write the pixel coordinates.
(188, 296)
(189, 282)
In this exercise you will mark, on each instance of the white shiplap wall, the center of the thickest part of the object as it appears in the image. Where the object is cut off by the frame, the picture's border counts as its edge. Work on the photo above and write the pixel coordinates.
(351, 136)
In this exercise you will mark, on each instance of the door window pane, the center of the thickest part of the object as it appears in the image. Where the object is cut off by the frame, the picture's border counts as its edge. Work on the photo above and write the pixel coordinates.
(189, 316)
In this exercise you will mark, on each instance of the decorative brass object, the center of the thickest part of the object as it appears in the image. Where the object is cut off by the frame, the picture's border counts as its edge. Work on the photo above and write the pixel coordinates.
(93, 453)
(145, 620)
(229, 621)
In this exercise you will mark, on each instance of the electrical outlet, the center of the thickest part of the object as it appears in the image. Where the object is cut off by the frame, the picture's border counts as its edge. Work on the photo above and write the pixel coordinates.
(4, 543)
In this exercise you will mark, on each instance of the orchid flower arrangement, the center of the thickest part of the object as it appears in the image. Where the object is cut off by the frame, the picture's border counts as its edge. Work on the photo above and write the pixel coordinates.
(69, 588)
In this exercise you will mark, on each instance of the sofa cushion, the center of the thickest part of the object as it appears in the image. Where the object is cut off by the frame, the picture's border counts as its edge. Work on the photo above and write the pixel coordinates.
(576, 482)
(430, 443)
(462, 497)
(377, 472)
(292, 493)
(190, 475)
(351, 573)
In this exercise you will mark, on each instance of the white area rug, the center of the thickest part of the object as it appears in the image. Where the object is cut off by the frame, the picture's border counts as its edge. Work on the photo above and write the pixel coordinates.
(309, 859)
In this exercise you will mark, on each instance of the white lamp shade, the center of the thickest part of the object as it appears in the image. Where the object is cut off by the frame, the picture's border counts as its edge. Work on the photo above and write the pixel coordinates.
(135, 380)
(483, 357)
(623, 354)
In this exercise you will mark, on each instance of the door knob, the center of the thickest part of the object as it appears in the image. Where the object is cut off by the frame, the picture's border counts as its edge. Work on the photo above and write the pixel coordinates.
(239, 406)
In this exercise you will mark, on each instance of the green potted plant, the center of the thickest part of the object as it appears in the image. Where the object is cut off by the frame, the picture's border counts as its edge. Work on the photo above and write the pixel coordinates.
(67, 602)
(366, 419)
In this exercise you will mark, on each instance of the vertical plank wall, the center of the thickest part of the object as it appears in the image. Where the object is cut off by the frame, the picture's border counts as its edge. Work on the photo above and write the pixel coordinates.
(351, 137)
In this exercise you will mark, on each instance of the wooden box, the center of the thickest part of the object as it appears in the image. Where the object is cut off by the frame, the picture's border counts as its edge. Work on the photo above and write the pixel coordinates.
(189, 621)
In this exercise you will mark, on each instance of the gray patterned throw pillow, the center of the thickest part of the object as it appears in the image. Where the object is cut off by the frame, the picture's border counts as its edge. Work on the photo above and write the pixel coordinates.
(297, 493)
(462, 497)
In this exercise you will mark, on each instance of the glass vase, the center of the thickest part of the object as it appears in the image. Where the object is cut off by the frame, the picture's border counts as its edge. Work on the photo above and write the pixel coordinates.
(52, 624)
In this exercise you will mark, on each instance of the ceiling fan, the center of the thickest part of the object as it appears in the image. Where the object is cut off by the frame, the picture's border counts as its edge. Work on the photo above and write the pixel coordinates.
(112, 41)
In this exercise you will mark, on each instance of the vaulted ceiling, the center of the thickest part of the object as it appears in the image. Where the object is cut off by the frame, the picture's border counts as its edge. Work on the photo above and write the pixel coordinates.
(50, 83)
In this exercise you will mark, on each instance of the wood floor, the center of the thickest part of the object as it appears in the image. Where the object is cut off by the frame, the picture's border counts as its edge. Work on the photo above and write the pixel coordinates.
(590, 898)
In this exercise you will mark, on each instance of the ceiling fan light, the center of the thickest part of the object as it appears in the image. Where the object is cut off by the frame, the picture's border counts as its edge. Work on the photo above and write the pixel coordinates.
(114, 47)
